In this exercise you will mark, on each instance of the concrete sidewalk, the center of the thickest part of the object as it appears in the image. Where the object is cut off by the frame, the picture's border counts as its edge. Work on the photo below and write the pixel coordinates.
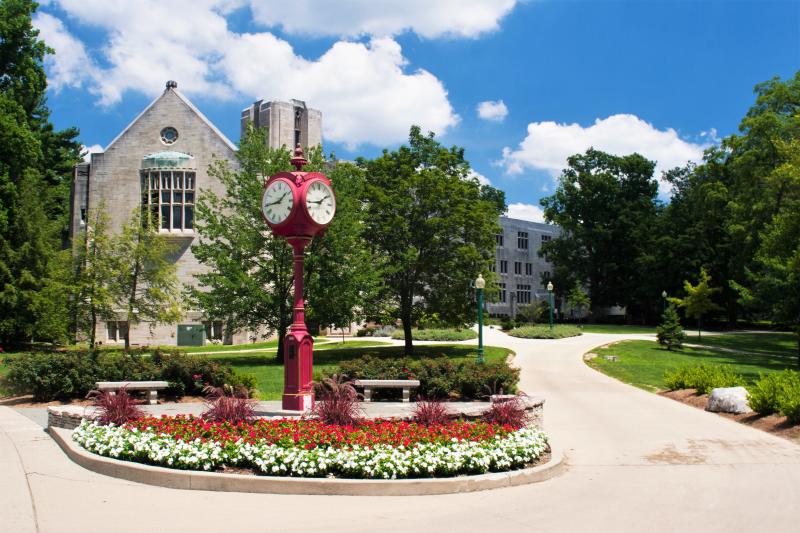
(638, 462)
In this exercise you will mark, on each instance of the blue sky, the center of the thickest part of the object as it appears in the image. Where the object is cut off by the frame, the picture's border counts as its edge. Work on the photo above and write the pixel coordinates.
(664, 78)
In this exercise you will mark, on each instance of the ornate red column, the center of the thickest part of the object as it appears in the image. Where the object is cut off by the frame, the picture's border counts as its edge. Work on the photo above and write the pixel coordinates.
(298, 368)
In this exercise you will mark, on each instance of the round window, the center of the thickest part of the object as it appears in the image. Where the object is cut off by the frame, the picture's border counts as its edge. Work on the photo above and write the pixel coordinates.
(169, 135)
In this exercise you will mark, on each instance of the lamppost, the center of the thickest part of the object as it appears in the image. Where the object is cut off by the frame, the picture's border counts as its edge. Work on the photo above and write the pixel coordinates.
(663, 302)
(550, 294)
(480, 283)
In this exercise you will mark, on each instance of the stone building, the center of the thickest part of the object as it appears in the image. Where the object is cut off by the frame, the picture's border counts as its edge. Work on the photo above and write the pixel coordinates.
(160, 163)
(519, 268)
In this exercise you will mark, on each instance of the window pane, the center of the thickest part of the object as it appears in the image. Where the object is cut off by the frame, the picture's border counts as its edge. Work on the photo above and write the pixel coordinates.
(154, 197)
(189, 197)
(189, 220)
(154, 180)
(177, 197)
(178, 177)
(111, 331)
(164, 217)
(165, 180)
(176, 217)
(164, 197)
(190, 181)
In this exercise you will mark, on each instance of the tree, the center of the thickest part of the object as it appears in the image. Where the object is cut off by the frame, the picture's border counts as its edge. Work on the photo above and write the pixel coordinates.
(145, 284)
(432, 228)
(578, 299)
(670, 333)
(699, 299)
(250, 276)
(34, 164)
(95, 262)
(606, 206)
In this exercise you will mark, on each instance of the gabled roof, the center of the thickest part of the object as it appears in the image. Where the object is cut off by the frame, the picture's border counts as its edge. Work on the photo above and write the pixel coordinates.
(189, 104)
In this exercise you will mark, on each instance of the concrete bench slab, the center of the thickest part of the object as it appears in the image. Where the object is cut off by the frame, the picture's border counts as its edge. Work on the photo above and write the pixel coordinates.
(370, 384)
(151, 387)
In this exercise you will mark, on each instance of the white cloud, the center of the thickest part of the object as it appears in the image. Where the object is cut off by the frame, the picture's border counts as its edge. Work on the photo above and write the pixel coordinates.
(548, 144)
(525, 212)
(87, 151)
(365, 91)
(483, 180)
(494, 111)
(70, 65)
(455, 18)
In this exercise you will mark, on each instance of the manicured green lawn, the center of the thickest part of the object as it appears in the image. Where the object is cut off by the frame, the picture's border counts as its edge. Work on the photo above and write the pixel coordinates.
(269, 374)
(619, 329)
(643, 363)
(771, 343)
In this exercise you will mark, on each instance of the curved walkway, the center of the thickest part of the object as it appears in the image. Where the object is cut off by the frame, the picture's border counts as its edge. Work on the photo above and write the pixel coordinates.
(638, 462)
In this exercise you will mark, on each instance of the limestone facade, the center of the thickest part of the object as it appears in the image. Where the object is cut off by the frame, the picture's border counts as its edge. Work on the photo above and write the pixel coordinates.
(162, 159)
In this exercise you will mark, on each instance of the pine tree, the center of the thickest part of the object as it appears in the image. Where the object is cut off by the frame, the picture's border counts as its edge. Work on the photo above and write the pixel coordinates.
(669, 332)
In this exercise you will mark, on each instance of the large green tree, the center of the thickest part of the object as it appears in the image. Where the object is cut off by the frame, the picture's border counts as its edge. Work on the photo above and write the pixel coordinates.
(606, 207)
(250, 277)
(432, 227)
(35, 161)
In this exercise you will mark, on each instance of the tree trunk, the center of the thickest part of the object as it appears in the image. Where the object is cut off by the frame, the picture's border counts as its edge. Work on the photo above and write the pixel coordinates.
(93, 328)
(699, 327)
(405, 316)
(131, 304)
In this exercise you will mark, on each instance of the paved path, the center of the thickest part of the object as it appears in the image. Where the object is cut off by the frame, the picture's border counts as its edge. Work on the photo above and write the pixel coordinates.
(638, 462)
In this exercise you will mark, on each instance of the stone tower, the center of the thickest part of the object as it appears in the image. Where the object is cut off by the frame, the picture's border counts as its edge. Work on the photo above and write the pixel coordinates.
(289, 123)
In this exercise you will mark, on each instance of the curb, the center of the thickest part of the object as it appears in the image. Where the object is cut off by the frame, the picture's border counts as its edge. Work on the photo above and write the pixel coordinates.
(195, 480)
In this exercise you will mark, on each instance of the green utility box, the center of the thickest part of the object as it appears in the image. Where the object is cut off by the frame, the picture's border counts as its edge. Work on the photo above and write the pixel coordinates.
(191, 334)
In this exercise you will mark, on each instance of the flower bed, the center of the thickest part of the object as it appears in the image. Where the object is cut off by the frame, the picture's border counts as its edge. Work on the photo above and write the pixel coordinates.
(377, 449)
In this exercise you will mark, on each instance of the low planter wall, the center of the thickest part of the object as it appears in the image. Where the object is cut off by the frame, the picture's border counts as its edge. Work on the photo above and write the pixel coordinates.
(192, 480)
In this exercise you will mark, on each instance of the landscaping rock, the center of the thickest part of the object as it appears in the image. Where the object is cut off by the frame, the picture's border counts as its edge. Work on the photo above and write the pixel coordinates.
(728, 400)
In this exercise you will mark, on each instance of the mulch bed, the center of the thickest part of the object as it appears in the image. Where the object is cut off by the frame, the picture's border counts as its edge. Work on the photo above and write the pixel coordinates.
(775, 424)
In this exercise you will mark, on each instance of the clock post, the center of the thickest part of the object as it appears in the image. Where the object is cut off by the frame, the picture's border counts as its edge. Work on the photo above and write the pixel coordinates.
(298, 205)
(298, 353)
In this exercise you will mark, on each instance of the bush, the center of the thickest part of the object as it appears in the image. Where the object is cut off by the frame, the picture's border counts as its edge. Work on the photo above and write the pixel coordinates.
(506, 325)
(703, 378)
(65, 375)
(440, 377)
(430, 413)
(510, 412)
(337, 402)
(117, 408)
(777, 393)
(226, 404)
(438, 334)
(559, 331)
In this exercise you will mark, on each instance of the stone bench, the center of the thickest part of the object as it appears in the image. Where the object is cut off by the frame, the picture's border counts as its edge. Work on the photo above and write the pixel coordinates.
(151, 387)
(370, 384)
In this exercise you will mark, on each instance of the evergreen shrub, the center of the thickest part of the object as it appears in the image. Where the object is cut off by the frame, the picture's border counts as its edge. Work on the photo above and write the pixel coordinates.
(65, 375)
(777, 393)
(447, 334)
(703, 378)
(440, 377)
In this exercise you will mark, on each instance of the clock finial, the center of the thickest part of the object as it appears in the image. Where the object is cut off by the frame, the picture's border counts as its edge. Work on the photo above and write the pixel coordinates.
(298, 160)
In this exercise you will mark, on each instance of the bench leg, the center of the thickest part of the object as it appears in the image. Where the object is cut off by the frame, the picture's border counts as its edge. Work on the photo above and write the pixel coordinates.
(112, 393)
(406, 394)
(367, 394)
(152, 397)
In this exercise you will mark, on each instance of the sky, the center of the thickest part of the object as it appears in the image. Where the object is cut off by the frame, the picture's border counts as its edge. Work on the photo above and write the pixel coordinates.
(521, 85)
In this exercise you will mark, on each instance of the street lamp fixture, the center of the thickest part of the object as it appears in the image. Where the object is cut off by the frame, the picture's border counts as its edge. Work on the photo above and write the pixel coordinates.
(663, 302)
(480, 284)
(550, 293)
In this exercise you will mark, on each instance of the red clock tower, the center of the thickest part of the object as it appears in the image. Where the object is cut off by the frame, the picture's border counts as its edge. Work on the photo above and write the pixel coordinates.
(298, 205)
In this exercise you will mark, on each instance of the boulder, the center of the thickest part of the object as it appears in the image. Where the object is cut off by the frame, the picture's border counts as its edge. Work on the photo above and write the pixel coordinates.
(728, 400)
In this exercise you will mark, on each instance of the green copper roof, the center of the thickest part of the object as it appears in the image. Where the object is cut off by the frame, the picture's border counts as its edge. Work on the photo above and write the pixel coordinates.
(168, 160)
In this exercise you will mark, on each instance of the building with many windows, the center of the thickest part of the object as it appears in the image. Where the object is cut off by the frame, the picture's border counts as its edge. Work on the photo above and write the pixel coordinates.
(519, 268)
(159, 164)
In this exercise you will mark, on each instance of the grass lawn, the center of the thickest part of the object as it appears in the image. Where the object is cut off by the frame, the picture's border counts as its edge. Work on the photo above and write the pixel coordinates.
(770, 343)
(269, 374)
(643, 363)
(614, 328)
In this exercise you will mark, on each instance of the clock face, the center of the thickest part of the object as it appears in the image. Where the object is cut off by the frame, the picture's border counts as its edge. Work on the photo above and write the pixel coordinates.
(277, 202)
(320, 202)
